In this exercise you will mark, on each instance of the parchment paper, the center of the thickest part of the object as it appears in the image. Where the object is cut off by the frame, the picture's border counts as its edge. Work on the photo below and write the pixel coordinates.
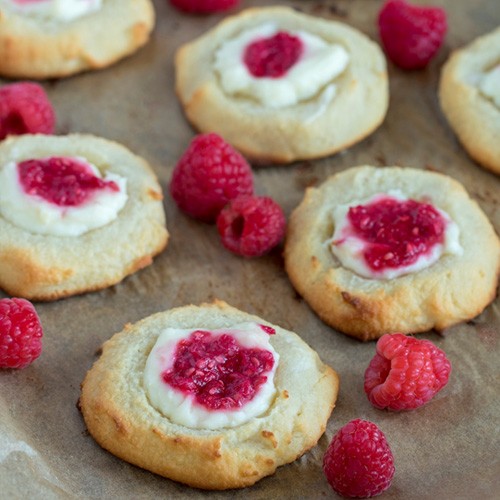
(447, 449)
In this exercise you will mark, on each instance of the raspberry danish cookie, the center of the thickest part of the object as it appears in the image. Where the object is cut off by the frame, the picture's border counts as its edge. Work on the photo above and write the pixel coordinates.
(208, 396)
(54, 38)
(379, 250)
(282, 86)
(77, 213)
(469, 93)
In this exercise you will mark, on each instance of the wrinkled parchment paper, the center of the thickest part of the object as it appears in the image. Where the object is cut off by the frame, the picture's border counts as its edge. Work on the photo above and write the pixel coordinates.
(447, 449)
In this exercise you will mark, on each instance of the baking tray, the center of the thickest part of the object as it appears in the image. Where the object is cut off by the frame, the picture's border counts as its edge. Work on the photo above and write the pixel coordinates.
(449, 448)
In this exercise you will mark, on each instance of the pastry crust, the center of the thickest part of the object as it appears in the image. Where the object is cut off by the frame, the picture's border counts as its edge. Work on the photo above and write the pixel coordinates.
(295, 132)
(35, 48)
(453, 289)
(474, 118)
(119, 416)
(46, 267)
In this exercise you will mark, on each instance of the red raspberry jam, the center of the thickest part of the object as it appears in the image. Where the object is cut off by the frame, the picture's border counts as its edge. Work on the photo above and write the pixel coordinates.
(217, 370)
(397, 232)
(272, 57)
(268, 329)
(62, 181)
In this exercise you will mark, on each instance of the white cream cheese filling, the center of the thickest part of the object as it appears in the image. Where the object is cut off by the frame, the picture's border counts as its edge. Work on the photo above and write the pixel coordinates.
(59, 10)
(182, 408)
(489, 85)
(349, 248)
(37, 215)
(320, 63)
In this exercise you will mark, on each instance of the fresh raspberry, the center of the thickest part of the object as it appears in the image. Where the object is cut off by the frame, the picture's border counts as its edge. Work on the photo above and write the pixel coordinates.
(208, 175)
(411, 34)
(251, 225)
(204, 6)
(25, 109)
(358, 462)
(405, 373)
(272, 57)
(20, 333)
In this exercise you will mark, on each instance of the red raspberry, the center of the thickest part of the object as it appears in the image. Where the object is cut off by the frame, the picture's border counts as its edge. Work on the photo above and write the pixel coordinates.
(405, 372)
(208, 175)
(358, 462)
(25, 109)
(411, 34)
(20, 333)
(204, 6)
(251, 226)
(272, 57)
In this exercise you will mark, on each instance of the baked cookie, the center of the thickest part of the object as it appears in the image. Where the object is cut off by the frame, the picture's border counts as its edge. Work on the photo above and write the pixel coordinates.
(263, 396)
(56, 38)
(381, 250)
(469, 93)
(77, 213)
(282, 86)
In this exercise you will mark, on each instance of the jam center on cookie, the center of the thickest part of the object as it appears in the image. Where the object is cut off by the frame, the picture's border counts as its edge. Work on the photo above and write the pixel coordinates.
(220, 372)
(273, 56)
(65, 182)
(60, 196)
(389, 235)
(214, 378)
(397, 232)
(276, 68)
